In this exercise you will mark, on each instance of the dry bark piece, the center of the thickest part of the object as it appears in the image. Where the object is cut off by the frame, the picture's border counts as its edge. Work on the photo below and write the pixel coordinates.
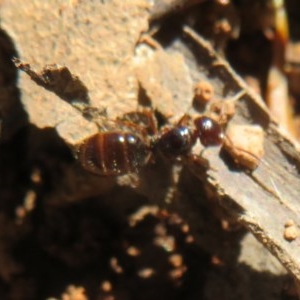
(101, 52)
(57, 79)
(165, 79)
(256, 199)
(245, 143)
(69, 87)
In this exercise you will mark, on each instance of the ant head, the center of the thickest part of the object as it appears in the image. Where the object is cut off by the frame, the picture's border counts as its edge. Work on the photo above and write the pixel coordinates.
(209, 132)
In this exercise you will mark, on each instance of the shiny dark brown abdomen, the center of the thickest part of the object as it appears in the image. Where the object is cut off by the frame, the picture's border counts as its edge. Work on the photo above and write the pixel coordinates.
(113, 153)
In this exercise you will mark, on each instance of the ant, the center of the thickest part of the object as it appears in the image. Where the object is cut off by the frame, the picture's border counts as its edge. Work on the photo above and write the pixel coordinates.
(118, 152)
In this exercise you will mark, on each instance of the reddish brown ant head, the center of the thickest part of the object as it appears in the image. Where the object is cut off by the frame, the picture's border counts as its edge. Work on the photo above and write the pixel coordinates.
(209, 131)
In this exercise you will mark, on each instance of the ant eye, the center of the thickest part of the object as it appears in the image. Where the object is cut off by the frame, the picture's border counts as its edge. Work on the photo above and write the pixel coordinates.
(209, 131)
(176, 141)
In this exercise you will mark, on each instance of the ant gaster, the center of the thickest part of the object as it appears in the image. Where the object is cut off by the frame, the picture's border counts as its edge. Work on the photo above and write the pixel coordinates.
(118, 152)
(113, 153)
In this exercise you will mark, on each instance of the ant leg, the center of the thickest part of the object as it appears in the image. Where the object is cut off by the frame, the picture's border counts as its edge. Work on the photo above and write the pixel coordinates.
(142, 120)
(147, 38)
(92, 114)
(184, 120)
(197, 159)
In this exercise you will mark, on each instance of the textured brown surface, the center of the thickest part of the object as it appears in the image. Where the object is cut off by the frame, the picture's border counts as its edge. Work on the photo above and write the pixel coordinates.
(267, 197)
(80, 223)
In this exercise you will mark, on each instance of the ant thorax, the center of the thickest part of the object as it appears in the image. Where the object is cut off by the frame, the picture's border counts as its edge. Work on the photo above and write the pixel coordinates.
(174, 141)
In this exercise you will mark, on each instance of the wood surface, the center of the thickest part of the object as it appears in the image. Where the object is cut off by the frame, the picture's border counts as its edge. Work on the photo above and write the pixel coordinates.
(100, 43)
